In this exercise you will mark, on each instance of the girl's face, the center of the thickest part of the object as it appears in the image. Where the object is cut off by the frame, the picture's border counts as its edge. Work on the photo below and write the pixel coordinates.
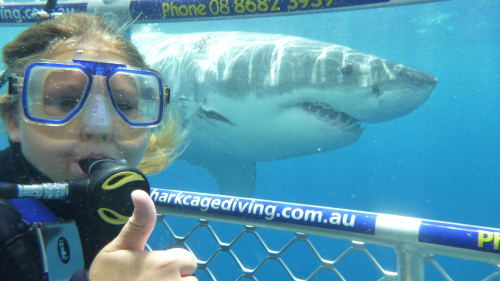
(57, 150)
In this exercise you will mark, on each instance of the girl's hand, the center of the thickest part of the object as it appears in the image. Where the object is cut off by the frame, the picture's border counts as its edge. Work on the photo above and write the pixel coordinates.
(125, 259)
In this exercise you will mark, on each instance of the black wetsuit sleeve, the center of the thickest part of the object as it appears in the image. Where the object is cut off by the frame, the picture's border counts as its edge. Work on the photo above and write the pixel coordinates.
(20, 256)
(21, 260)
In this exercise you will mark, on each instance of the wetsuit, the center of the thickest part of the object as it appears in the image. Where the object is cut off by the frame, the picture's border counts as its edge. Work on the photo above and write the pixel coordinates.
(21, 259)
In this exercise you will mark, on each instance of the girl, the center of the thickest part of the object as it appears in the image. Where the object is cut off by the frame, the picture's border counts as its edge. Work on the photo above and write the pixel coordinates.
(80, 92)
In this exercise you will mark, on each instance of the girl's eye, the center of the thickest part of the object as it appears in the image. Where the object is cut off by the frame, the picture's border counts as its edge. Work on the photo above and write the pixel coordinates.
(126, 103)
(129, 109)
(56, 106)
(125, 107)
(60, 99)
(67, 104)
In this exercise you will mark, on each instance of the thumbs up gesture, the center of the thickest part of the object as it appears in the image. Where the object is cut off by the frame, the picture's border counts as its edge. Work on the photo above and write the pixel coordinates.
(125, 259)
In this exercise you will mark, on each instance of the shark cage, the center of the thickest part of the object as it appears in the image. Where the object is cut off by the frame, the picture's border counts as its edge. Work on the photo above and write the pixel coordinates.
(237, 238)
(416, 242)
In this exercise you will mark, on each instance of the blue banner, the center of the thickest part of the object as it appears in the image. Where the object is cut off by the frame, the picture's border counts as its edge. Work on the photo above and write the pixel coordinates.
(25, 13)
(337, 219)
(460, 236)
(184, 9)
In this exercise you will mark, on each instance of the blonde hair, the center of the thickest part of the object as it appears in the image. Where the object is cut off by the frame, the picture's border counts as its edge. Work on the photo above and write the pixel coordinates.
(69, 32)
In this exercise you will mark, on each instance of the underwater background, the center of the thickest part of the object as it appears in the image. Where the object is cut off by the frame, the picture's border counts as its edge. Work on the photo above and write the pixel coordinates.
(441, 162)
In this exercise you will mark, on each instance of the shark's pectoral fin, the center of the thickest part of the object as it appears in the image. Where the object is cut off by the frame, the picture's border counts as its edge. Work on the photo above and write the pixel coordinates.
(234, 178)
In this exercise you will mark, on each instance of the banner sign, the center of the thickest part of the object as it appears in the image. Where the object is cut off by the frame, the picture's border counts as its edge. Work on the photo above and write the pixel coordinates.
(337, 219)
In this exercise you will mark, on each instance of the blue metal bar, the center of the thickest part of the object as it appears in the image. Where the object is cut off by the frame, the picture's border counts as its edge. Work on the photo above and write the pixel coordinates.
(441, 238)
(190, 10)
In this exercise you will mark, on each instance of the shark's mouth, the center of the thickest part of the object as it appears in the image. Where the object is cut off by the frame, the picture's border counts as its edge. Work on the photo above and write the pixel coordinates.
(334, 118)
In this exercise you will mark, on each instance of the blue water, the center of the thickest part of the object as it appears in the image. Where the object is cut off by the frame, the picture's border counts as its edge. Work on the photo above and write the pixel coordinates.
(441, 162)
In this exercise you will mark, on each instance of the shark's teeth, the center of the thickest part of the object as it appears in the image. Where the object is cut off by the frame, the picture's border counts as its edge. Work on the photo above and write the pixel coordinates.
(332, 117)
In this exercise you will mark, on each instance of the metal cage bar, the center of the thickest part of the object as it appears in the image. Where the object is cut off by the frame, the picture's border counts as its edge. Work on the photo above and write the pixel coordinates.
(414, 240)
(27, 13)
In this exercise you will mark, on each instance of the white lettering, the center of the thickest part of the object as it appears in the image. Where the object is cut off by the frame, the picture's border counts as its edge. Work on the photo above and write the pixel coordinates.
(270, 211)
(185, 202)
(226, 204)
(351, 223)
(163, 197)
(8, 14)
(17, 15)
(240, 209)
(250, 208)
(196, 201)
(154, 193)
(261, 206)
(170, 197)
(313, 215)
(178, 198)
(215, 204)
(284, 214)
(205, 203)
(299, 216)
(234, 205)
(335, 219)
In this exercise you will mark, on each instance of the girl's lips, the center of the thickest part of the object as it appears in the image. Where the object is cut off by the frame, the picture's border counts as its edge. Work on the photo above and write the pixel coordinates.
(77, 171)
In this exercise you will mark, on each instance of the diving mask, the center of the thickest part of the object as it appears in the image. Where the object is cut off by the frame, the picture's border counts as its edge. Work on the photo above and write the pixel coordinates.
(53, 93)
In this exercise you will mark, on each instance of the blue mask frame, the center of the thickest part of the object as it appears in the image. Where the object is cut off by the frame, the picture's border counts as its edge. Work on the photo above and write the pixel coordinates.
(90, 68)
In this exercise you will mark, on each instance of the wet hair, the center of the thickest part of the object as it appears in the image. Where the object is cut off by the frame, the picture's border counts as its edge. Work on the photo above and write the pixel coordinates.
(83, 31)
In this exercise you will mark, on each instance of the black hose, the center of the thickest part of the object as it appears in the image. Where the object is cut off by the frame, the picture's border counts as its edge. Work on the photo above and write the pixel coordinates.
(8, 191)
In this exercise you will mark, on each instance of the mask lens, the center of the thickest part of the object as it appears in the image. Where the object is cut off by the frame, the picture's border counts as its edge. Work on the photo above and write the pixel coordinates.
(136, 95)
(54, 93)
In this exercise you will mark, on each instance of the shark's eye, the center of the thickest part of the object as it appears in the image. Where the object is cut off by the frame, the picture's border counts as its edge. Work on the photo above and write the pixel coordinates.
(347, 70)
(377, 91)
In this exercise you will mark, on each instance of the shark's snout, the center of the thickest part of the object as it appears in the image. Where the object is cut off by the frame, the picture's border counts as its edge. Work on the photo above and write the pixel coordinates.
(417, 77)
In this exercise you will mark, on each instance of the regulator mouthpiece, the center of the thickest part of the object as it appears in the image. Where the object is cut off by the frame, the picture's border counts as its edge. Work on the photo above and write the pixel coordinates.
(88, 165)
(110, 184)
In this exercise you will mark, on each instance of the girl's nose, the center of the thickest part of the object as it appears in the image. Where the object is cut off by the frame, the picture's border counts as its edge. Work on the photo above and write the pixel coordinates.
(97, 121)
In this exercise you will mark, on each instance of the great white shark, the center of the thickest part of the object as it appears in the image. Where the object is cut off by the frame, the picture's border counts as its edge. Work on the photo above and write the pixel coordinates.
(250, 97)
